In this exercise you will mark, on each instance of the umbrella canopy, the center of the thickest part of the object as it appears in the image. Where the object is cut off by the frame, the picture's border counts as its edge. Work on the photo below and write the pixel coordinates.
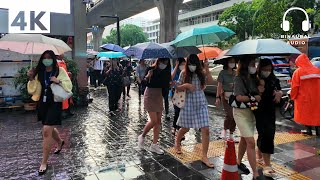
(221, 58)
(111, 54)
(209, 52)
(200, 36)
(112, 47)
(181, 52)
(33, 44)
(148, 50)
(262, 47)
(103, 58)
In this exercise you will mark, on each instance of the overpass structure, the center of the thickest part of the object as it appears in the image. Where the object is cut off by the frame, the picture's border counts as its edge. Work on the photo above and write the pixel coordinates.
(168, 10)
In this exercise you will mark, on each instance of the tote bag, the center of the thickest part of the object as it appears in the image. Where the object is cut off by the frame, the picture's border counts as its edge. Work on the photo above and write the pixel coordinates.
(59, 93)
(179, 98)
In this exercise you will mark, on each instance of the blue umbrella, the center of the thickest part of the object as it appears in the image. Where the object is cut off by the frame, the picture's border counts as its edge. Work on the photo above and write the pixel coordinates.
(112, 47)
(148, 50)
(262, 47)
(111, 54)
(181, 52)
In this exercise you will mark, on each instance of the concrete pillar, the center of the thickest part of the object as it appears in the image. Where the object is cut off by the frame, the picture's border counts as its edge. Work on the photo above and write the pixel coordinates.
(80, 48)
(97, 38)
(169, 11)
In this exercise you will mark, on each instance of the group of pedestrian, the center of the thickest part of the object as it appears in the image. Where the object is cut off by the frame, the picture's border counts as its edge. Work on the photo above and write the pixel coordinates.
(240, 78)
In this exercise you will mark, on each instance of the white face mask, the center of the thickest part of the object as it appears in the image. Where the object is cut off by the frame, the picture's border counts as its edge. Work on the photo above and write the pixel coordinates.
(265, 74)
(231, 65)
(192, 68)
(162, 66)
(181, 67)
(252, 70)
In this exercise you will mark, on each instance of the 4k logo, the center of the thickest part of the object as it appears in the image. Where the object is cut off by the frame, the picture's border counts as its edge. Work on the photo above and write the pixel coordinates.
(29, 21)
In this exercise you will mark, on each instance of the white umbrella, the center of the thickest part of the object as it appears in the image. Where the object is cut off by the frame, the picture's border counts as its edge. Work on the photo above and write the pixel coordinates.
(33, 44)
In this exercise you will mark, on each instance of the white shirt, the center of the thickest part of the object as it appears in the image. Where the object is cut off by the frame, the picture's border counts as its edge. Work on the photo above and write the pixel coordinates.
(98, 65)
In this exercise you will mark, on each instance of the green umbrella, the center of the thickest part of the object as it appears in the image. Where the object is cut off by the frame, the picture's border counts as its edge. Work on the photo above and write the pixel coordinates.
(201, 36)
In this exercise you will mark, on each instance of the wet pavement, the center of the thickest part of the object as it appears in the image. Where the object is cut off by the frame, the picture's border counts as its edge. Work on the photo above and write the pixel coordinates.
(100, 146)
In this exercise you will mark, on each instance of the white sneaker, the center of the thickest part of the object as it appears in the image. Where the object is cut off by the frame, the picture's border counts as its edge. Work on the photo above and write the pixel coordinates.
(156, 149)
(141, 141)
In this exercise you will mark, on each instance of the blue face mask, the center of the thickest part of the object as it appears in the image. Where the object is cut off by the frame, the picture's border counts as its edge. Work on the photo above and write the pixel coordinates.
(47, 62)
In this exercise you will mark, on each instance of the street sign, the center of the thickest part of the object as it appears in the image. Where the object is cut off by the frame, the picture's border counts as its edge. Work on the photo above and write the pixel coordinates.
(29, 21)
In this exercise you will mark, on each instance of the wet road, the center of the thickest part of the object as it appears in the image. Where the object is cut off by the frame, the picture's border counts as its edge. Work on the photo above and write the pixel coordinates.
(99, 146)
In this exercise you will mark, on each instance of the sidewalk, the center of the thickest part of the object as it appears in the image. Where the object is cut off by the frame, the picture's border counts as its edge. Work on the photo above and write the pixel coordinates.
(99, 146)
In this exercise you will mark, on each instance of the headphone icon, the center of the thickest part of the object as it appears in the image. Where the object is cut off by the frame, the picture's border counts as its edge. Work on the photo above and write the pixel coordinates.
(285, 25)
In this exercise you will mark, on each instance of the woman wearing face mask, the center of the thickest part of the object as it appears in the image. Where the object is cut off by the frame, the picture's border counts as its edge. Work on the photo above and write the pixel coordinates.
(195, 112)
(246, 80)
(224, 90)
(180, 66)
(158, 77)
(114, 82)
(49, 112)
(266, 114)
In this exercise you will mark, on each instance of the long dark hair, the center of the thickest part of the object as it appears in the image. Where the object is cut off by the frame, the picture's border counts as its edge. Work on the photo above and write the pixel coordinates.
(264, 63)
(41, 67)
(194, 60)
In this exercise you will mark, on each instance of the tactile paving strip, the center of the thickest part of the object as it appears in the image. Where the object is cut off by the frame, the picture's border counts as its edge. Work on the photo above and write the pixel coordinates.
(192, 153)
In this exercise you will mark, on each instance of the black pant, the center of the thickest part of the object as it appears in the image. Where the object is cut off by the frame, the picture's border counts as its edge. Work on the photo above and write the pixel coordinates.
(124, 90)
(97, 76)
(165, 95)
(114, 96)
(266, 127)
(91, 74)
(176, 116)
(142, 88)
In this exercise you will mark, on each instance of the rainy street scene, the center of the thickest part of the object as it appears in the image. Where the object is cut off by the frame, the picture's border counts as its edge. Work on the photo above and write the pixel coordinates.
(160, 90)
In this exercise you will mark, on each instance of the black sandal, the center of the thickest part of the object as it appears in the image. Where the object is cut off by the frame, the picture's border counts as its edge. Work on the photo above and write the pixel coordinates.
(59, 150)
(43, 171)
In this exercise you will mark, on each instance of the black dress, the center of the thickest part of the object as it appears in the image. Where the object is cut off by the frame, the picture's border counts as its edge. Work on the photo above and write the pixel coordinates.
(266, 116)
(49, 112)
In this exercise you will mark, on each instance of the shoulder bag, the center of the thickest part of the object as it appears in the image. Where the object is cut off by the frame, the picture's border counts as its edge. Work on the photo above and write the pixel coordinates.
(243, 105)
(59, 93)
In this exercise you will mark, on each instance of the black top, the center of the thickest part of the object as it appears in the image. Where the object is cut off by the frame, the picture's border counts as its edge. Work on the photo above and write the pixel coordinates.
(128, 71)
(114, 78)
(44, 78)
(267, 97)
(159, 79)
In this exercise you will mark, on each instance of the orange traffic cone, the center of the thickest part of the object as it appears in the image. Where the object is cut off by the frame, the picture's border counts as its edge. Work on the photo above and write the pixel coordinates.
(230, 168)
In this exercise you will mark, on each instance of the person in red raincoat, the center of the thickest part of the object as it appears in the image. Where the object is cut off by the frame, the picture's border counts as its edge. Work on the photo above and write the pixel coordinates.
(305, 91)
(65, 104)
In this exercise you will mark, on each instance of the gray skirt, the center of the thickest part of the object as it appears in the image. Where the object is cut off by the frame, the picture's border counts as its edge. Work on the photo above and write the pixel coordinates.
(153, 101)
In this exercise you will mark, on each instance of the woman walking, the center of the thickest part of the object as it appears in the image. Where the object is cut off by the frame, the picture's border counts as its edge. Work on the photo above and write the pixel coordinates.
(114, 82)
(141, 73)
(224, 90)
(127, 72)
(180, 66)
(245, 88)
(49, 112)
(195, 112)
(158, 77)
(266, 114)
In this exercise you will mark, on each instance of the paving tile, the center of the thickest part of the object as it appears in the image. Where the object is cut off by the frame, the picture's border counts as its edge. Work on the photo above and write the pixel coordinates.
(162, 175)
(211, 173)
(131, 172)
(181, 171)
(298, 154)
(151, 167)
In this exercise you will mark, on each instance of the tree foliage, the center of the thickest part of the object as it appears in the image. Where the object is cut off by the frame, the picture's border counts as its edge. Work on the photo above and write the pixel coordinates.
(239, 19)
(130, 35)
(263, 18)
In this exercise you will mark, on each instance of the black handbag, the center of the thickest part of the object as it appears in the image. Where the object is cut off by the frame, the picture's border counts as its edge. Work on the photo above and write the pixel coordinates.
(243, 105)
